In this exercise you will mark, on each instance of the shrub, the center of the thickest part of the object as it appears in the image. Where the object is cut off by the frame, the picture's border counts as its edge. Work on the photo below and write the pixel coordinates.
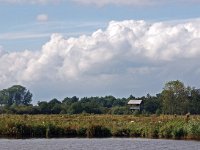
(121, 132)
(81, 132)
(136, 129)
(166, 131)
(54, 131)
(179, 132)
(194, 129)
(69, 132)
(154, 131)
(38, 131)
(98, 131)
(136, 132)
(22, 130)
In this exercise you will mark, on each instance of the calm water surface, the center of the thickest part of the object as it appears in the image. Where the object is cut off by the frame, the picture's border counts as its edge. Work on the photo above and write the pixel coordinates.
(98, 144)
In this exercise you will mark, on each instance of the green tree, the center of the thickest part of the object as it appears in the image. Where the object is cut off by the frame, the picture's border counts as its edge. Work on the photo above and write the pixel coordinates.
(53, 102)
(16, 94)
(69, 101)
(43, 107)
(152, 104)
(109, 100)
(194, 101)
(75, 108)
(131, 97)
(120, 110)
(57, 108)
(175, 98)
(4, 97)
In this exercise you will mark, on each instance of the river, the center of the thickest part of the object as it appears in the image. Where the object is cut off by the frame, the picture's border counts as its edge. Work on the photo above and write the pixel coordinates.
(98, 144)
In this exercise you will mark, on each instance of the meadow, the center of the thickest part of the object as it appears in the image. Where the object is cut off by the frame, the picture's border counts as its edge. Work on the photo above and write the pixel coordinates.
(85, 125)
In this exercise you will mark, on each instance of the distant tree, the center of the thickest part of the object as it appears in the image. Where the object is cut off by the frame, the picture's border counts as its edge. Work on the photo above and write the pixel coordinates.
(175, 98)
(194, 99)
(131, 97)
(53, 102)
(109, 100)
(16, 94)
(4, 97)
(75, 108)
(22, 109)
(152, 104)
(91, 107)
(71, 100)
(120, 110)
(43, 107)
(119, 102)
(57, 108)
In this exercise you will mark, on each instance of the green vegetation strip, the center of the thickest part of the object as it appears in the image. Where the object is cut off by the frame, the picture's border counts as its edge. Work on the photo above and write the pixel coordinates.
(60, 126)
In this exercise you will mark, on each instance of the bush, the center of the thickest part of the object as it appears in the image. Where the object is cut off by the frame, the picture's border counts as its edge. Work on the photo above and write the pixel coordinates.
(22, 130)
(121, 132)
(69, 132)
(154, 131)
(81, 132)
(38, 131)
(15, 129)
(166, 131)
(194, 129)
(136, 113)
(179, 132)
(136, 133)
(98, 131)
(54, 131)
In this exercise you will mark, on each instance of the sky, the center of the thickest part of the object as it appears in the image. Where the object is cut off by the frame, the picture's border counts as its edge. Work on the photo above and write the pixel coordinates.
(62, 48)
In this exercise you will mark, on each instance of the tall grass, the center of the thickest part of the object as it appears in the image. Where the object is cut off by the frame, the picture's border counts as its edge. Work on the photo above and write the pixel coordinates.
(53, 126)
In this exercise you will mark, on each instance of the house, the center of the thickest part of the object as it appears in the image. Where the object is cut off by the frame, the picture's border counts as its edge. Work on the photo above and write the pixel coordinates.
(135, 104)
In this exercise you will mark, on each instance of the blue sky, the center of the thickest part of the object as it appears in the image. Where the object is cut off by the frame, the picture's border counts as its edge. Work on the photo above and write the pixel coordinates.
(73, 19)
(28, 39)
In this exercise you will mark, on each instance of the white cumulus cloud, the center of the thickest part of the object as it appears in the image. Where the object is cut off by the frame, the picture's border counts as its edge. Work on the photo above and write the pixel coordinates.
(127, 55)
(42, 17)
(1, 50)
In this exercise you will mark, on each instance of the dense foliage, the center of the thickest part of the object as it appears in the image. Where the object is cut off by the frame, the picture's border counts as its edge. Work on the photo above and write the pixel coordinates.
(15, 95)
(175, 98)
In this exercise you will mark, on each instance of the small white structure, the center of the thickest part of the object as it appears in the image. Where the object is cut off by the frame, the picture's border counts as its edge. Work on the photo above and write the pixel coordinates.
(135, 104)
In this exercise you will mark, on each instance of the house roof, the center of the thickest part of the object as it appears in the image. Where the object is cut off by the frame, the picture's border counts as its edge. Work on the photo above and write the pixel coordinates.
(136, 102)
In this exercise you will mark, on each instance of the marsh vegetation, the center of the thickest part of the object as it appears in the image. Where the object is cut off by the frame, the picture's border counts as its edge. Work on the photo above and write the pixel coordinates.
(84, 125)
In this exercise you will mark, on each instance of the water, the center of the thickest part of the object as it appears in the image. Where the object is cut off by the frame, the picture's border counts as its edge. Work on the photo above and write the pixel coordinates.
(98, 144)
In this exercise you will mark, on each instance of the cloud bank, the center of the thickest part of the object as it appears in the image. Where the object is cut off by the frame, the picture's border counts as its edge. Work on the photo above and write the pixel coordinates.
(127, 56)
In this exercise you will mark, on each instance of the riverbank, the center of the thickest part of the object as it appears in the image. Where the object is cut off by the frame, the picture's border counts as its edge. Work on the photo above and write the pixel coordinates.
(65, 126)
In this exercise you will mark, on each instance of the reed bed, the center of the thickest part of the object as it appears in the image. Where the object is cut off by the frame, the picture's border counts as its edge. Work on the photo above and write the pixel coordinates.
(84, 125)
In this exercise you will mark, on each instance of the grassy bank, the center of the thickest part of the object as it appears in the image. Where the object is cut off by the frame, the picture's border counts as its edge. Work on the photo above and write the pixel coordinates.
(52, 126)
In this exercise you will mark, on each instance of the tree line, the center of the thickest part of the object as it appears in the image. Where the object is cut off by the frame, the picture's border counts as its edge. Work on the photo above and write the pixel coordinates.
(175, 98)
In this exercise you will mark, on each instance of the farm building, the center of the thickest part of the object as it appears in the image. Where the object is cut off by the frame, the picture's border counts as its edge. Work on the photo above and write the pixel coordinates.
(135, 104)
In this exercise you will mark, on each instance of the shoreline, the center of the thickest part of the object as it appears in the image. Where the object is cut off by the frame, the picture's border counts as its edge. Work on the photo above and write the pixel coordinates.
(102, 138)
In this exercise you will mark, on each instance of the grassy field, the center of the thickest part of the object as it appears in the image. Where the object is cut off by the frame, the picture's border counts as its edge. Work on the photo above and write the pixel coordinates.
(57, 126)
